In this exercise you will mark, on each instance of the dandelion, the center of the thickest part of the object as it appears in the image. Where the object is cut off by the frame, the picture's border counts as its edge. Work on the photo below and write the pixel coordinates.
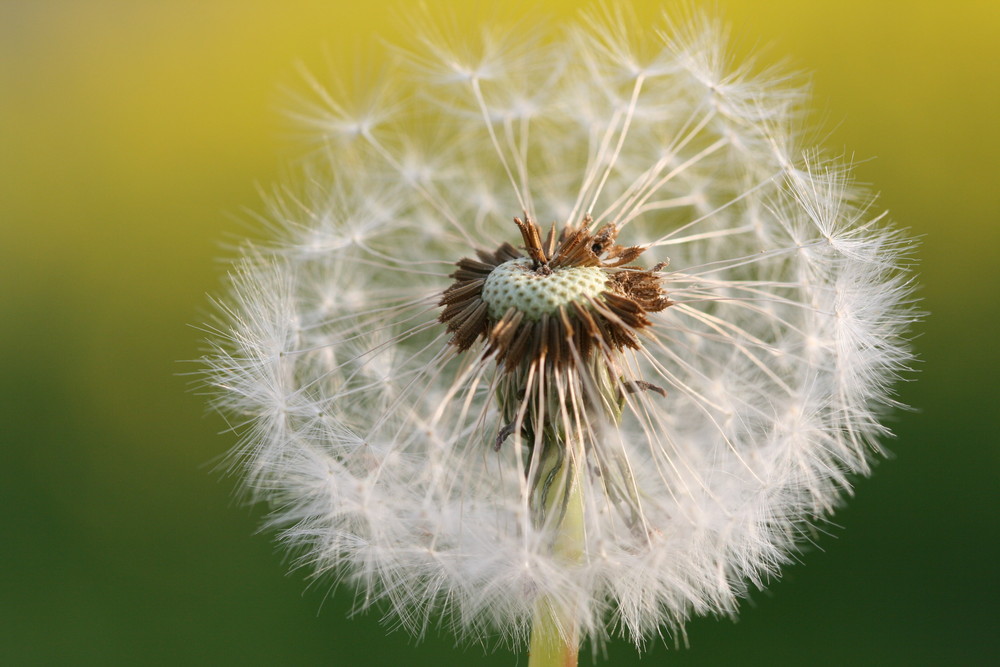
(561, 337)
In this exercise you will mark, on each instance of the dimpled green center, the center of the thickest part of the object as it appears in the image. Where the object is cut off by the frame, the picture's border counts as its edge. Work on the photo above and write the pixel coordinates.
(514, 284)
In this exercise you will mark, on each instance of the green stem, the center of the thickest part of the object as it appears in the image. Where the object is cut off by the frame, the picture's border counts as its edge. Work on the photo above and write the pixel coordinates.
(555, 634)
(548, 647)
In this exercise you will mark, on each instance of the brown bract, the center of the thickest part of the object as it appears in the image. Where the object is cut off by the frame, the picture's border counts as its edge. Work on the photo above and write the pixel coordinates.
(608, 322)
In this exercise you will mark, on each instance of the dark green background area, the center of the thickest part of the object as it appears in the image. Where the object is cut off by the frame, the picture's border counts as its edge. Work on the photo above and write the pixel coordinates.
(132, 137)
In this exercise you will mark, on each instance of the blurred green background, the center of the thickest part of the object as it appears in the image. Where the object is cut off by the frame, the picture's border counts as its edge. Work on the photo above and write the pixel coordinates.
(132, 138)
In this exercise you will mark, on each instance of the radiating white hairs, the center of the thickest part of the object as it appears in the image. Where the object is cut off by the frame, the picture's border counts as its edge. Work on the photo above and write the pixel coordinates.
(373, 440)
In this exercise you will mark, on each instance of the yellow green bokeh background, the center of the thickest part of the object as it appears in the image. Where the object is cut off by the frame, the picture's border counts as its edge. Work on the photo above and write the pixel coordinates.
(133, 136)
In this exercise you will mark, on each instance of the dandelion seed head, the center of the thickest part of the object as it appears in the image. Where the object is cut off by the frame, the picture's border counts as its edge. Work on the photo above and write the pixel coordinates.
(706, 315)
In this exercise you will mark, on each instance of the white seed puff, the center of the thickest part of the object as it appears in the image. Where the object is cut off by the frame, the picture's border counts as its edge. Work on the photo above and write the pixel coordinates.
(364, 354)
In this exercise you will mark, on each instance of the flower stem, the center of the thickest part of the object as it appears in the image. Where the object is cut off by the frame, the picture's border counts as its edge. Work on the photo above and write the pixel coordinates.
(555, 635)
(548, 647)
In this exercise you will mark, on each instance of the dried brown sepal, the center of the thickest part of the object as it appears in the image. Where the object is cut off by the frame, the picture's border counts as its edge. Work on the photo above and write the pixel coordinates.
(464, 310)
(532, 236)
(612, 321)
(642, 287)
